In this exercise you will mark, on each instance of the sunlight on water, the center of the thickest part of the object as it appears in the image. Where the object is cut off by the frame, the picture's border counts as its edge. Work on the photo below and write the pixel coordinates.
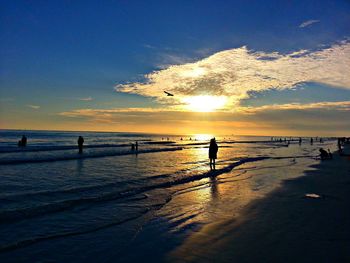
(203, 137)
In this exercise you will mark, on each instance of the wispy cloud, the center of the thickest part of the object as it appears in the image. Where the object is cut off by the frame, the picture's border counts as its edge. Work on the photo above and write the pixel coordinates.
(86, 99)
(308, 23)
(233, 73)
(35, 107)
(326, 105)
(167, 59)
(107, 112)
(322, 117)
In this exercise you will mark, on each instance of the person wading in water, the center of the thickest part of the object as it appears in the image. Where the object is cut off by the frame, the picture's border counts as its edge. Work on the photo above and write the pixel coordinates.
(213, 150)
(80, 144)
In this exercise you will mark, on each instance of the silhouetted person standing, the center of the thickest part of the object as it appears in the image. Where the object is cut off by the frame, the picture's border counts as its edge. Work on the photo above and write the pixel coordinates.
(311, 141)
(339, 146)
(23, 141)
(136, 146)
(213, 150)
(80, 144)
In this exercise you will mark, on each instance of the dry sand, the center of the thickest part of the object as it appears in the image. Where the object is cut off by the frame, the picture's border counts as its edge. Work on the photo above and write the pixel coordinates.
(286, 226)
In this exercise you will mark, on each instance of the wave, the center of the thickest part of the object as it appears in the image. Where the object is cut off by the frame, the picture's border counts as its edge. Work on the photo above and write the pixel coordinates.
(83, 189)
(78, 190)
(57, 148)
(9, 216)
(84, 156)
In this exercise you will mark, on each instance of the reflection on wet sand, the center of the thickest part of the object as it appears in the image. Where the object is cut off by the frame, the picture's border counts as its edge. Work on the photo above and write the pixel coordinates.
(224, 198)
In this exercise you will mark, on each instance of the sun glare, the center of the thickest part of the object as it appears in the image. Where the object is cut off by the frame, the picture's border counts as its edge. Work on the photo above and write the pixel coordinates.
(205, 103)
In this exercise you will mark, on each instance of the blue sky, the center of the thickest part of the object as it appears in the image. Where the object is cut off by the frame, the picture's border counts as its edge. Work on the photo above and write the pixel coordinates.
(68, 55)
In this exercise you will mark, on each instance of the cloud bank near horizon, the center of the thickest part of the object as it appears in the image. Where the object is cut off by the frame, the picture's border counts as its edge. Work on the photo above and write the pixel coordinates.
(235, 72)
(332, 118)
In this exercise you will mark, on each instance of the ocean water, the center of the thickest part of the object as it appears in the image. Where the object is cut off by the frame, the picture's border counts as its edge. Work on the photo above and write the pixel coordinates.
(110, 202)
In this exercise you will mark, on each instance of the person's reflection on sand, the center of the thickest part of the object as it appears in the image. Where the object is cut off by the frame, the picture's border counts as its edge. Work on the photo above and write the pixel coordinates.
(213, 187)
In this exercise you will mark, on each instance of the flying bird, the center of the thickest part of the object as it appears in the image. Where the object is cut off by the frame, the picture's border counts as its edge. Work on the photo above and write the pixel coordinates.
(168, 94)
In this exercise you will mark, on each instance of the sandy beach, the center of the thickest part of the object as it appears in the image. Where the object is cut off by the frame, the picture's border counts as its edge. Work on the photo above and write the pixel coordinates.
(284, 226)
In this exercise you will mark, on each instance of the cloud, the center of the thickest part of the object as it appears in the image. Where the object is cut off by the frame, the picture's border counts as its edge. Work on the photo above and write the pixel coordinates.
(86, 99)
(234, 73)
(107, 112)
(166, 59)
(326, 105)
(308, 23)
(328, 118)
(35, 107)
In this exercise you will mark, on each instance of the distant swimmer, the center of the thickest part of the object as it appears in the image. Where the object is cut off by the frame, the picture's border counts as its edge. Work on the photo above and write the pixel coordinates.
(80, 144)
(168, 93)
(23, 141)
(213, 151)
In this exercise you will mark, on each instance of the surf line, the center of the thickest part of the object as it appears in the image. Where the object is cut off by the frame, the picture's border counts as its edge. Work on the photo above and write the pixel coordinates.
(86, 156)
(19, 215)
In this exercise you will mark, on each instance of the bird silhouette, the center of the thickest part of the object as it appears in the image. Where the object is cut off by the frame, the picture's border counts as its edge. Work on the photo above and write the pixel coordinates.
(168, 94)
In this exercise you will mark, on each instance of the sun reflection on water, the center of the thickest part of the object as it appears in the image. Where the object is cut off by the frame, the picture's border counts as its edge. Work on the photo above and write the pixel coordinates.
(203, 137)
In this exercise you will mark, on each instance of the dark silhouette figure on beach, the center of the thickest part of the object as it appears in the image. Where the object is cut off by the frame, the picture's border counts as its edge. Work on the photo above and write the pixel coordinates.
(213, 150)
(323, 154)
(311, 141)
(80, 144)
(339, 146)
(132, 147)
(23, 141)
(136, 146)
(300, 140)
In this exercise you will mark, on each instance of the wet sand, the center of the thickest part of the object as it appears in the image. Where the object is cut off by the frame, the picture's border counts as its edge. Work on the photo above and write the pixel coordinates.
(285, 225)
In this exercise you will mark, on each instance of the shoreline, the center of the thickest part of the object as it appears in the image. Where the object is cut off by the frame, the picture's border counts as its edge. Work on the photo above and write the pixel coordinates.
(285, 226)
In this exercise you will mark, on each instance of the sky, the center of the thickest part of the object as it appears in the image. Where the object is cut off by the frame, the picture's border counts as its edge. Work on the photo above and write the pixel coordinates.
(234, 67)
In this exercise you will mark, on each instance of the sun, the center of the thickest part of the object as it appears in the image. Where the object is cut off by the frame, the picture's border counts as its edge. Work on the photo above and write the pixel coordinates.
(205, 103)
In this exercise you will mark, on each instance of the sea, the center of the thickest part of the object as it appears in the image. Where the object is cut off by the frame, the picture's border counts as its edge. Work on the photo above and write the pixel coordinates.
(113, 203)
